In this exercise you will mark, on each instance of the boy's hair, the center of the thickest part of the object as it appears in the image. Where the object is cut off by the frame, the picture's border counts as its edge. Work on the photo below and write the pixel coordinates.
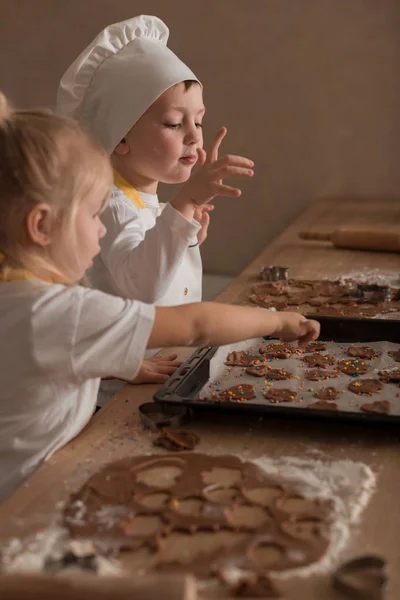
(48, 159)
(188, 83)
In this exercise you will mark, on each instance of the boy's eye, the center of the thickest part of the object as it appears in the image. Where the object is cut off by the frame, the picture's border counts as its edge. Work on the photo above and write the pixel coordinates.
(172, 125)
(199, 125)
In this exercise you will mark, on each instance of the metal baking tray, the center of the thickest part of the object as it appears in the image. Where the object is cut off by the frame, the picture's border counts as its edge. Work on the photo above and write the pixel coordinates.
(185, 385)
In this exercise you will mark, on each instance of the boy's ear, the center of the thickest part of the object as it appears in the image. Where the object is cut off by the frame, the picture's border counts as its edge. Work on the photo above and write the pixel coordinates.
(122, 148)
(39, 224)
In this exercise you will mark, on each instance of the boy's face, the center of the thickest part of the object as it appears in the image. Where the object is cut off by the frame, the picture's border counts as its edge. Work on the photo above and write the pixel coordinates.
(162, 145)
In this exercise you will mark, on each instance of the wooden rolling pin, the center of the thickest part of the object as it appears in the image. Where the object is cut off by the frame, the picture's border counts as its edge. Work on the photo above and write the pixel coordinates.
(81, 587)
(357, 239)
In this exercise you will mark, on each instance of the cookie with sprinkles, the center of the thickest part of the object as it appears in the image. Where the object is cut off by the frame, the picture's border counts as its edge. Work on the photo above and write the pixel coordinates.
(236, 393)
(269, 373)
(353, 367)
(320, 374)
(323, 405)
(318, 360)
(366, 387)
(363, 352)
(314, 347)
(240, 359)
(327, 393)
(395, 354)
(275, 351)
(381, 407)
(390, 375)
(280, 395)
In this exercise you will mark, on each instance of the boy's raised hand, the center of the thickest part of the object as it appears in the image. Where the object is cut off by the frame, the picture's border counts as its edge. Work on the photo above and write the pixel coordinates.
(206, 181)
(202, 215)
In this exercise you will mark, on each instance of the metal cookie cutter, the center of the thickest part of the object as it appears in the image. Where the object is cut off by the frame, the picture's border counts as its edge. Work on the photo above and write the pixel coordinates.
(364, 577)
(372, 292)
(273, 273)
(155, 417)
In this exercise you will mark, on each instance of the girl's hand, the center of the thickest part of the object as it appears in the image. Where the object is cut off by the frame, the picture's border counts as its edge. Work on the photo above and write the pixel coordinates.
(206, 182)
(157, 369)
(293, 326)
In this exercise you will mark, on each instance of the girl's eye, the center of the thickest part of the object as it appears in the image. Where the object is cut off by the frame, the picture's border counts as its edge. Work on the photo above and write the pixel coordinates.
(199, 125)
(172, 125)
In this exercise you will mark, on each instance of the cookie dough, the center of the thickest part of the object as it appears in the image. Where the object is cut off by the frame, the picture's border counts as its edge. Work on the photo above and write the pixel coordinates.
(315, 347)
(177, 440)
(366, 387)
(395, 354)
(327, 393)
(155, 508)
(240, 359)
(381, 407)
(390, 375)
(323, 405)
(280, 395)
(269, 373)
(319, 360)
(353, 366)
(318, 374)
(236, 393)
(363, 352)
(275, 351)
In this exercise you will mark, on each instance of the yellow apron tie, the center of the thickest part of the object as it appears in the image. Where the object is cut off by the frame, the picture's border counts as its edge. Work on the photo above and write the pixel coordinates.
(11, 274)
(128, 189)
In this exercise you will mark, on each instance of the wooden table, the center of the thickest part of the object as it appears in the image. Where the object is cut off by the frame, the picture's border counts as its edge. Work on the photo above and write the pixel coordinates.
(115, 431)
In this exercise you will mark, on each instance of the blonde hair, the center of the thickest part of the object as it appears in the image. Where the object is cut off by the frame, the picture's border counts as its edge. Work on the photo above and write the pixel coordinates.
(44, 158)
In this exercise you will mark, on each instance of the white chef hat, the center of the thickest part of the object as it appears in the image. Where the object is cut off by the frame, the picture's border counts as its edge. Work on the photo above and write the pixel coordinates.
(118, 77)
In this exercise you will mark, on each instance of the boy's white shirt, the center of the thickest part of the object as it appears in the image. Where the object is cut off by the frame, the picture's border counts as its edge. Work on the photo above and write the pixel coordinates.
(56, 342)
(145, 254)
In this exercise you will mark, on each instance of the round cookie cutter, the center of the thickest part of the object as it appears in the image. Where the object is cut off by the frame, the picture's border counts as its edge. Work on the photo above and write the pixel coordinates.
(364, 577)
(156, 416)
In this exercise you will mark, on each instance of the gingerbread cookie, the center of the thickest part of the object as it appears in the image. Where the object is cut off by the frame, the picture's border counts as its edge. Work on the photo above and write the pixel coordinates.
(236, 393)
(366, 387)
(353, 367)
(318, 374)
(390, 375)
(327, 393)
(362, 352)
(315, 347)
(280, 395)
(177, 441)
(269, 373)
(319, 360)
(240, 359)
(381, 407)
(323, 405)
(395, 354)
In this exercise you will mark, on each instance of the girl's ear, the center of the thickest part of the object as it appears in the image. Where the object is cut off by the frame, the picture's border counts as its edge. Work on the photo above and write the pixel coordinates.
(39, 224)
(122, 148)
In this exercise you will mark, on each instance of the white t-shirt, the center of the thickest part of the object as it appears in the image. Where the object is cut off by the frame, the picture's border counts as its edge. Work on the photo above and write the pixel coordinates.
(146, 253)
(56, 342)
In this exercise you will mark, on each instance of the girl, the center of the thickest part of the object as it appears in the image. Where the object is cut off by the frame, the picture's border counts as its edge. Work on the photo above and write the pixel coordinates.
(57, 338)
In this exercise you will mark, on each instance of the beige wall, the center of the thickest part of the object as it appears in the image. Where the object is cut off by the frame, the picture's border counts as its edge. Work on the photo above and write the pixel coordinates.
(309, 89)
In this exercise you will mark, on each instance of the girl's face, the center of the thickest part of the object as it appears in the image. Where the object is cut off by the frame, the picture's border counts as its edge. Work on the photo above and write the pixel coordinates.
(89, 230)
(162, 145)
